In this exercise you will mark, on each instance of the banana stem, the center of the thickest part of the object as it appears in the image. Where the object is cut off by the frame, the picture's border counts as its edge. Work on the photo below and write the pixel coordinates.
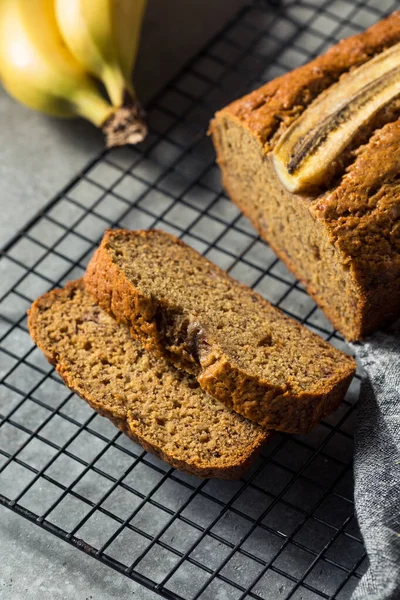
(127, 124)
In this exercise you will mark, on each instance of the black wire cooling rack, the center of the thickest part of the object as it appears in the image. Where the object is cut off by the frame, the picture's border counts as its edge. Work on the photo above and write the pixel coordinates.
(287, 529)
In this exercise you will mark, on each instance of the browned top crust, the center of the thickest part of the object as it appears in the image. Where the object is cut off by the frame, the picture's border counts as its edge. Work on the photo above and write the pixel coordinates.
(270, 109)
(361, 209)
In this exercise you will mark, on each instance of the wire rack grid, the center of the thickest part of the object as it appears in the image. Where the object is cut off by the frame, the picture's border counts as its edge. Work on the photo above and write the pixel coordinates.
(287, 529)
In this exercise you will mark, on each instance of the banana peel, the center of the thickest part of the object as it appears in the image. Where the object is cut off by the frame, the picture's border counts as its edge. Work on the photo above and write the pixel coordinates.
(313, 143)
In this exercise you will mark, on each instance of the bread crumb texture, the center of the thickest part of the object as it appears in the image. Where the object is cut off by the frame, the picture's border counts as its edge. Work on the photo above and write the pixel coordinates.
(160, 407)
(242, 350)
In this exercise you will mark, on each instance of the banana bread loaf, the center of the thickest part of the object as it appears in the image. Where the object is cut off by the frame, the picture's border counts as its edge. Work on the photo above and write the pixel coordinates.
(313, 159)
(159, 407)
(242, 350)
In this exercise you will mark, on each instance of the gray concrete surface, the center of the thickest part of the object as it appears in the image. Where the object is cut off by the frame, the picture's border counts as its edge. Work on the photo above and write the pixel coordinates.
(39, 155)
(35, 564)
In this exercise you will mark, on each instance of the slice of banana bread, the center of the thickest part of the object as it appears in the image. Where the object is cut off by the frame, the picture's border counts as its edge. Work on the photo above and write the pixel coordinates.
(242, 350)
(159, 407)
(331, 212)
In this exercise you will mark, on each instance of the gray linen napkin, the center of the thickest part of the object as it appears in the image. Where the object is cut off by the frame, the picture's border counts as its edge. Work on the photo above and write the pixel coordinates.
(377, 465)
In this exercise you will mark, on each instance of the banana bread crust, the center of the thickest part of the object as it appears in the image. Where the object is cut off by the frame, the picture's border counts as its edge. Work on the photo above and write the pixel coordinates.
(271, 405)
(357, 216)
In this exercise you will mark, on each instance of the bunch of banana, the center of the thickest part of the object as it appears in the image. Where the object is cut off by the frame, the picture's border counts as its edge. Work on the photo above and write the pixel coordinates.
(52, 51)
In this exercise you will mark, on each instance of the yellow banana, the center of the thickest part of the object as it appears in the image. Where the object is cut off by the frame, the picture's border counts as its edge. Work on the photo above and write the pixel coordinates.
(39, 71)
(103, 36)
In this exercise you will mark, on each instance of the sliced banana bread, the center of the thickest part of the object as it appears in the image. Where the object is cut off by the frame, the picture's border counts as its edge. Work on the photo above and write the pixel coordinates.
(159, 407)
(313, 159)
(242, 350)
